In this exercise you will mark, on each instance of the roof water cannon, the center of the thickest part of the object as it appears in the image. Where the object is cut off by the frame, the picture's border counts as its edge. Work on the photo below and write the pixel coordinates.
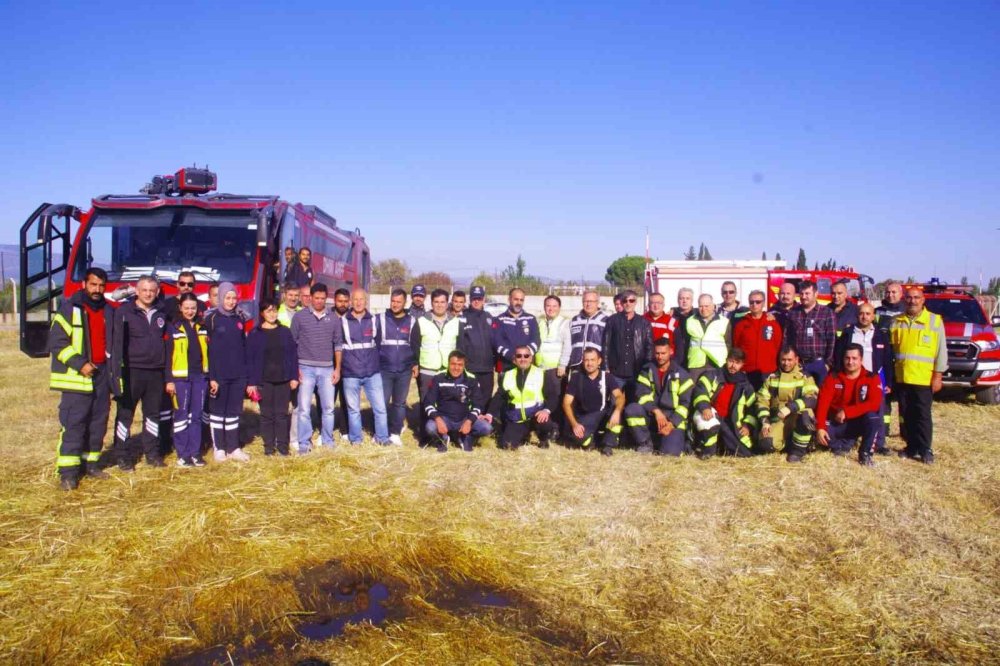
(189, 180)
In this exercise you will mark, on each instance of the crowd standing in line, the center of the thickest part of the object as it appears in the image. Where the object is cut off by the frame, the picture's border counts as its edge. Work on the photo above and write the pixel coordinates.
(723, 379)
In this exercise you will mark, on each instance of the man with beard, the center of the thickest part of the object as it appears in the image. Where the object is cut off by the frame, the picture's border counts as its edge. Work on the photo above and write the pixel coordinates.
(724, 409)
(80, 342)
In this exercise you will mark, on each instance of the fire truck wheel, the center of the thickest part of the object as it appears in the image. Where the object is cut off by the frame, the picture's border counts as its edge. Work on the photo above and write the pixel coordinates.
(989, 395)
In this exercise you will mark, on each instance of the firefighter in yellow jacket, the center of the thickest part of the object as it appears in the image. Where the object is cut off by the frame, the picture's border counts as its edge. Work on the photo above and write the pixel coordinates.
(785, 404)
(80, 344)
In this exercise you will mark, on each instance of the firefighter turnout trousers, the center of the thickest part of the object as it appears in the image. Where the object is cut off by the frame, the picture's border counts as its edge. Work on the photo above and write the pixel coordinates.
(83, 418)
(140, 387)
(643, 428)
(793, 433)
(709, 433)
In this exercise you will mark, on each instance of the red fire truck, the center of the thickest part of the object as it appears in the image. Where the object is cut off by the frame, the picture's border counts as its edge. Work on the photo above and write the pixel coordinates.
(177, 224)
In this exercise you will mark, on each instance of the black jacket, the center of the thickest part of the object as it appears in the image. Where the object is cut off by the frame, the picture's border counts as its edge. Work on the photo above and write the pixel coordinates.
(454, 398)
(616, 348)
(475, 340)
(255, 355)
(138, 339)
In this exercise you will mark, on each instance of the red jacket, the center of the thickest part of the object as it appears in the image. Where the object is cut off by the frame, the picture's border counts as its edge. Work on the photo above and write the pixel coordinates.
(661, 326)
(856, 397)
(760, 339)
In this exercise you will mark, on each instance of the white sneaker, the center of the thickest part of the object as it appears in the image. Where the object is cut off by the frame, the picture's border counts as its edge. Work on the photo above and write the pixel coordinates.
(345, 438)
(219, 455)
(395, 440)
(240, 455)
(181, 462)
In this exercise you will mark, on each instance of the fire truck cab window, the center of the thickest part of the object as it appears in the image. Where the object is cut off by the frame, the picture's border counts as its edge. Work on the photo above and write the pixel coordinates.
(218, 245)
(823, 286)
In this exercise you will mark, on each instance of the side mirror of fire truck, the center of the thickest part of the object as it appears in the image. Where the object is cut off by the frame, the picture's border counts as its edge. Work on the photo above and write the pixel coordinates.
(263, 226)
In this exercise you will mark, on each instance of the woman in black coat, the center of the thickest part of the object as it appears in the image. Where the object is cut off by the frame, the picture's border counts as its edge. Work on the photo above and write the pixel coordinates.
(273, 373)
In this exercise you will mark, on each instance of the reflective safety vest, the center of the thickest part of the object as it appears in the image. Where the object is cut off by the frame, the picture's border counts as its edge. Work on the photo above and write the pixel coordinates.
(63, 377)
(528, 398)
(179, 360)
(916, 341)
(551, 348)
(707, 342)
(436, 343)
(285, 315)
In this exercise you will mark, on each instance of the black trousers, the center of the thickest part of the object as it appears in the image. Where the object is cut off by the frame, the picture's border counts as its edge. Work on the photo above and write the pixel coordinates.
(84, 421)
(515, 434)
(595, 424)
(140, 387)
(340, 421)
(486, 381)
(275, 399)
(915, 417)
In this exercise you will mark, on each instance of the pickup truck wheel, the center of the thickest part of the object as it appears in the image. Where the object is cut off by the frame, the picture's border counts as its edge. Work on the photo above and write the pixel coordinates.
(989, 395)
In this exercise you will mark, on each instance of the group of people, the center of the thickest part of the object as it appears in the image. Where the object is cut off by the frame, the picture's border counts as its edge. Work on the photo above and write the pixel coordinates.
(726, 379)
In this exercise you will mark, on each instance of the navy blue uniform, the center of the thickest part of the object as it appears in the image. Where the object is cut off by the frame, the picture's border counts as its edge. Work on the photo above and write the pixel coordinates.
(227, 367)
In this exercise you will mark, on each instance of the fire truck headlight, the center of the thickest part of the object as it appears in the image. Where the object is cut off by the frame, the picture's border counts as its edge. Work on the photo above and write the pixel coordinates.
(987, 345)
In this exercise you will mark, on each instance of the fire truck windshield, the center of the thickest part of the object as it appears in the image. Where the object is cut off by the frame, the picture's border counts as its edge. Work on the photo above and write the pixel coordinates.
(216, 245)
(958, 311)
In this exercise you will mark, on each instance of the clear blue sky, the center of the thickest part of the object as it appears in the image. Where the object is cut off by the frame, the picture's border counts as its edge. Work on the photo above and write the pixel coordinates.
(456, 138)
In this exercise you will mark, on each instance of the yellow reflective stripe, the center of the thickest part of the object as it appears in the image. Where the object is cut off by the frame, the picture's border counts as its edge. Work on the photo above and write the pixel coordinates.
(92, 456)
(746, 441)
(801, 439)
(799, 383)
(681, 411)
(585, 443)
(700, 399)
(645, 381)
(59, 319)
(68, 461)
(801, 404)
(645, 399)
(915, 357)
(60, 381)
(635, 420)
(686, 385)
(750, 419)
(616, 429)
(66, 354)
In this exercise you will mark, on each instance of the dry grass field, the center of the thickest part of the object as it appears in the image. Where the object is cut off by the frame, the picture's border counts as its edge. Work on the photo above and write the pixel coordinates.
(493, 557)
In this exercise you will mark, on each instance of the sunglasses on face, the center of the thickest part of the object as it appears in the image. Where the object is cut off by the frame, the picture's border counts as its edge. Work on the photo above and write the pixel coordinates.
(185, 284)
(756, 302)
(630, 300)
(727, 291)
(522, 355)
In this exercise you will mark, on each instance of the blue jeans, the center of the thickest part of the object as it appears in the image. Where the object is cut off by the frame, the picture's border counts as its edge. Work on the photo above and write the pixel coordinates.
(395, 389)
(315, 378)
(372, 385)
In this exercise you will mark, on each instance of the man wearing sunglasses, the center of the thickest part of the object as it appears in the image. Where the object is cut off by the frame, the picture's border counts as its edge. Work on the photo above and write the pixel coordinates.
(730, 308)
(185, 285)
(521, 403)
(628, 344)
(759, 336)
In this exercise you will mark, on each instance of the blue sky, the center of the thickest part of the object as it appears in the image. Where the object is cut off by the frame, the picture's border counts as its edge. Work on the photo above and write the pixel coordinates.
(456, 138)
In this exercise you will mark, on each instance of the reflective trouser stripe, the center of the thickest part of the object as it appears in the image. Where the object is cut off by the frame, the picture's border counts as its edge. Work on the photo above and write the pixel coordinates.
(616, 429)
(635, 421)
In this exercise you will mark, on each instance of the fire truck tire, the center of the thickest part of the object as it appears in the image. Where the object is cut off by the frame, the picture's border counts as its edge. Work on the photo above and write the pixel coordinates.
(989, 395)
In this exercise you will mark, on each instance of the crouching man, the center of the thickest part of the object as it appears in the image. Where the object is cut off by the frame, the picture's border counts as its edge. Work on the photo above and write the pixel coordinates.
(849, 407)
(521, 403)
(724, 409)
(450, 405)
(593, 405)
(785, 404)
(663, 397)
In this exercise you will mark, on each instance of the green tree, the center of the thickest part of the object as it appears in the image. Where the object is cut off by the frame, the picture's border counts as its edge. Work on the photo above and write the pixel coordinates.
(690, 255)
(433, 280)
(801, 264)
(627, 271)
(777, 256)
(389, 274)
(763, 256)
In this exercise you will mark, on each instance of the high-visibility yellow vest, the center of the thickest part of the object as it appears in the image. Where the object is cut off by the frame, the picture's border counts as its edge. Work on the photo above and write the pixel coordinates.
(436, 343)
(285, 315)
(915, 341)
(63, 377)
(550, 350)
(179, 361)
(707, 342)
(530, 396)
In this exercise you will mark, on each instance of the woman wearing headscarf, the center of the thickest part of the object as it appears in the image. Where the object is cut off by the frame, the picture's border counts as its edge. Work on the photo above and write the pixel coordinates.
(227, 375)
